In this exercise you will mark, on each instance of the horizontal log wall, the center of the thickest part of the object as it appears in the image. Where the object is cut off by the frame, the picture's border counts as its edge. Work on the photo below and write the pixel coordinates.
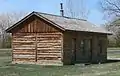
(49, 47)
(24, 47)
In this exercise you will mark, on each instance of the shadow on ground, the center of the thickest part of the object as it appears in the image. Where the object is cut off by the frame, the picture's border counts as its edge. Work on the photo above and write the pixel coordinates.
(112, 60)
(108, 61)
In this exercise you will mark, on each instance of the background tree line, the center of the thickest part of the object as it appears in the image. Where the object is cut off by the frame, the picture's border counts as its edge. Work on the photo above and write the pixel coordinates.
(6, 20)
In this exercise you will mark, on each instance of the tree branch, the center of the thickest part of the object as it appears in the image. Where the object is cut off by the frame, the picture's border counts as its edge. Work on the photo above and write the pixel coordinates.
(113, 4)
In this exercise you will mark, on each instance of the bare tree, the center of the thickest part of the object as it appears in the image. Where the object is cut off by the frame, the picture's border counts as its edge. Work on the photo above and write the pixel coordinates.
(114, 27)
(111, 8)
(76, 9)
(6, 20)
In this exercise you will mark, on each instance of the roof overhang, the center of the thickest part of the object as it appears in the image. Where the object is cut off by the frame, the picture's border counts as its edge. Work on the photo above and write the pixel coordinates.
(109, 33)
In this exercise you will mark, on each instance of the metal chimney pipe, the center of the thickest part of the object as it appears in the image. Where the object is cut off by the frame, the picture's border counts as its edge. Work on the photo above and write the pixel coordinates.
(61, 11)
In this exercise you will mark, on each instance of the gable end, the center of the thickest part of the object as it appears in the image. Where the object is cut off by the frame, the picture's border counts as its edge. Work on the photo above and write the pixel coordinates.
(19, 23)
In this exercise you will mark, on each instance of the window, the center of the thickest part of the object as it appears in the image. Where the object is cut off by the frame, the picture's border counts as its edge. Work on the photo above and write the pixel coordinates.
(85, 46)
(82, 44)
(73, 45)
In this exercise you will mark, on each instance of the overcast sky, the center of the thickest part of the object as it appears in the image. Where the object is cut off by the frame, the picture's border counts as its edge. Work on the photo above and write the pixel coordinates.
(49, 6)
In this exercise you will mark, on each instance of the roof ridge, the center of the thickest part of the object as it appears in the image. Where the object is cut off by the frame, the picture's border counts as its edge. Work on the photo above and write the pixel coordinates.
(59, 16)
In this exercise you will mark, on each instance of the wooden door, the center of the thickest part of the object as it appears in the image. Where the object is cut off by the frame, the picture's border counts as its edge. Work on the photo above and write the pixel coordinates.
(100, 49)
(88, 49)
(73, 50)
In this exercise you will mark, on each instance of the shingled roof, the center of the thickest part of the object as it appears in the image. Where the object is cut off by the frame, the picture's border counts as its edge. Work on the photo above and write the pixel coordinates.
(66, 23)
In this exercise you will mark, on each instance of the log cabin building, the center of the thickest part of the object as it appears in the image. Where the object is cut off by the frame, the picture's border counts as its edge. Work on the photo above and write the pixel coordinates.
(47, 39)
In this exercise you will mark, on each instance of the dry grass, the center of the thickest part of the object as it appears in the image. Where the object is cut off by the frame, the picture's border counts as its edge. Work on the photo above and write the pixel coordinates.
(8, 69)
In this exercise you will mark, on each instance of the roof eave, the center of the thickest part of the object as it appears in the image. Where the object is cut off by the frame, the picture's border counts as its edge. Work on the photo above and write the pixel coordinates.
(91, 32)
